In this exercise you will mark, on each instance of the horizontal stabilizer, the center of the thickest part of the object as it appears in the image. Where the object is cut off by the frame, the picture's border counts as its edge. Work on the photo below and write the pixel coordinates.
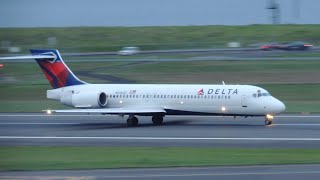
(28, 57)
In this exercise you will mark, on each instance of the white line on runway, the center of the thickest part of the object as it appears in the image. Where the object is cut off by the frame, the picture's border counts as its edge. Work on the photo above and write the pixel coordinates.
(211, 174)
(81, 115)
(41, 123)
(157, 138)
(296, 124)
(62, 123)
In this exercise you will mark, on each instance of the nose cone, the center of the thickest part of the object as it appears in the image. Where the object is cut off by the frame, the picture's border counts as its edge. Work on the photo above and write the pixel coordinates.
(273, 106)
(277, 106)
(281, 106)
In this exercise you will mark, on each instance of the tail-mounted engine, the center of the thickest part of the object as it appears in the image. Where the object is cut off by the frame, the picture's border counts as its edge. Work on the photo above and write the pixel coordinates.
(85, 100)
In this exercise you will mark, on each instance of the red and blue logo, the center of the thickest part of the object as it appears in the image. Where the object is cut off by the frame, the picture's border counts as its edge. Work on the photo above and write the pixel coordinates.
(55, 70)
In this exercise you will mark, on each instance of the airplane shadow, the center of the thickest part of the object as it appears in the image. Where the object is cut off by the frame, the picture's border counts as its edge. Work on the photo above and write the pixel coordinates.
(176, 123)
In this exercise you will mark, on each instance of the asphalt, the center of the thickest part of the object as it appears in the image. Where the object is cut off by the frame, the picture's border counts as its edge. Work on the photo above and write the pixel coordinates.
(228, 54)
(274, 172)
(287, 131)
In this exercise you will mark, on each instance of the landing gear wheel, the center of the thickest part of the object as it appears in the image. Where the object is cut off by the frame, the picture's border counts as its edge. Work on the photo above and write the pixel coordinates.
(157, 120)
(131, 122)
(268, 122)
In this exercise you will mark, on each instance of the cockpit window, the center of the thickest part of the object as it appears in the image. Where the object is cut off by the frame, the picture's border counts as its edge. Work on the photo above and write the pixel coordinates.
(259, 94)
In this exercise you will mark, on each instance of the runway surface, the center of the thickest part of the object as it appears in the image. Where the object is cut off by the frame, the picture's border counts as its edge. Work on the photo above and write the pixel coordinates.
(289, 131)
(274, 172)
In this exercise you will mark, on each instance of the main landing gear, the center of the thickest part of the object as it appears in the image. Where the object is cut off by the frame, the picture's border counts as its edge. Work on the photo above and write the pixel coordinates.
(268, 120)
(157, 119)
(133, 121)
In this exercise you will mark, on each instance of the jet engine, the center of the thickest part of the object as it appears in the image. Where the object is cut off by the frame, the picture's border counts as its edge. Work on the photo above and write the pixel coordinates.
(85, 100)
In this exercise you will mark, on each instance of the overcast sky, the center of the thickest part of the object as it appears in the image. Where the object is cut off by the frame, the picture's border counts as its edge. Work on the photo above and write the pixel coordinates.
(53, 13)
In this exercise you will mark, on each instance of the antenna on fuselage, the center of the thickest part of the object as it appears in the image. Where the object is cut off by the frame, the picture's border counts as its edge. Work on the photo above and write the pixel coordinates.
(223, 83)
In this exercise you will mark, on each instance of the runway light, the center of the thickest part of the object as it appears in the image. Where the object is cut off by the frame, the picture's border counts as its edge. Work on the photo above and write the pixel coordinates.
(223, 109)
(269, 116)
(49, 111)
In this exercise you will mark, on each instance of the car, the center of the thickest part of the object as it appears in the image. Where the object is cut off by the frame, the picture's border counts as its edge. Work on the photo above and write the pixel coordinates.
(270, 46)
(125, 51)
(287, 46)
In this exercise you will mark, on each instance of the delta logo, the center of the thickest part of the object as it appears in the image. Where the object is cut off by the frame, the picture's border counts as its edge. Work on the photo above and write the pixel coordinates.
(200, 92)
(218, 91)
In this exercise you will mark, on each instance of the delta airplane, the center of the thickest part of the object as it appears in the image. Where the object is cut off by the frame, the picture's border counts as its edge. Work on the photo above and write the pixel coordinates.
(156, 100)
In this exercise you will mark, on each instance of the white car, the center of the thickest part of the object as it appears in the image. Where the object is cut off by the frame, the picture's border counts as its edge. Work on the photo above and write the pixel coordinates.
(125, 51)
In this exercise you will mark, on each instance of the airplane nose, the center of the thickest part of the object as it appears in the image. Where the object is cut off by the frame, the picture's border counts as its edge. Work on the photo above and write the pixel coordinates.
(281, 106)
(276, 107)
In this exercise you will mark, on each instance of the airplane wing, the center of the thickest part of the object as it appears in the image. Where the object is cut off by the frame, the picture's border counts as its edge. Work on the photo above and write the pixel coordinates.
(126, 110)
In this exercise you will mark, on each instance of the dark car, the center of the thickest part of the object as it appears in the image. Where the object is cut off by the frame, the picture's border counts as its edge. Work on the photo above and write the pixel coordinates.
(287, 46)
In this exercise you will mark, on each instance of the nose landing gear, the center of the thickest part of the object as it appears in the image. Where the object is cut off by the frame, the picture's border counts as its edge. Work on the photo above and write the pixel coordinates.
(268, 120)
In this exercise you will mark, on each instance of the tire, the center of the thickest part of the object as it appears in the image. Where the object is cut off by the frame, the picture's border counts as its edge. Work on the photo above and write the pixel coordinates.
(267, 122)
(157, 120)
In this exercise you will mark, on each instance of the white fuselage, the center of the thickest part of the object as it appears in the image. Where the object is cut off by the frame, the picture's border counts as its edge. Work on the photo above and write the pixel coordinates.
(233, 100)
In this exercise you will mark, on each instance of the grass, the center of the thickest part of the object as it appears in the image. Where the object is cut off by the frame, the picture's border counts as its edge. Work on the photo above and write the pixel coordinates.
(82, 39)
(49, 158)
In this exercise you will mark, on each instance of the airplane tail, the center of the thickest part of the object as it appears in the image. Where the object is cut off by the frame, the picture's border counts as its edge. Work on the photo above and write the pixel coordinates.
(55, 70)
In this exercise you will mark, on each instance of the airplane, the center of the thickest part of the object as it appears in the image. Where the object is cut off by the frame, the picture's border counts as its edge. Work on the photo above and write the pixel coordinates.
(155, 100)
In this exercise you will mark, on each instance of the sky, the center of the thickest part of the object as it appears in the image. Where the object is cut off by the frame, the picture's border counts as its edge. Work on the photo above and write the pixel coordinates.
(61, 13)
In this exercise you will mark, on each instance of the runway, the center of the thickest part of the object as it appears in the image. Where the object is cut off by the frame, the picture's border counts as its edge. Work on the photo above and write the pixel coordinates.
(288, 131)
(274, 172)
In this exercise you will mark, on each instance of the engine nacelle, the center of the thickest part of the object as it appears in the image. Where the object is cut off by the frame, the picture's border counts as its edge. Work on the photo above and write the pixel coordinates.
(85, 100)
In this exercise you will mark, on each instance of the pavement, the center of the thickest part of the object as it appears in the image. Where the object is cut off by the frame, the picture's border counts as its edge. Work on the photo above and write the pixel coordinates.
(287, 131)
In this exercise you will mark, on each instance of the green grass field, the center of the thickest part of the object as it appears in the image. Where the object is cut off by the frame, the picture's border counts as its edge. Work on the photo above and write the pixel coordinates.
(83, 39)
(49, 158)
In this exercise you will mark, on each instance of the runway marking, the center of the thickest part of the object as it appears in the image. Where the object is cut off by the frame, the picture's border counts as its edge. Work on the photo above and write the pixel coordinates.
(44, 123)
(46, 115)
(172, 175)
(296, 124)
(57, 123)
(81, 115)
(158, 138)
(210, 174)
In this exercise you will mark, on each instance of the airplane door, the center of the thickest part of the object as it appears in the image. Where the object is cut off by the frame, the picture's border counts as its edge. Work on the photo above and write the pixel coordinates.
(244, 101)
